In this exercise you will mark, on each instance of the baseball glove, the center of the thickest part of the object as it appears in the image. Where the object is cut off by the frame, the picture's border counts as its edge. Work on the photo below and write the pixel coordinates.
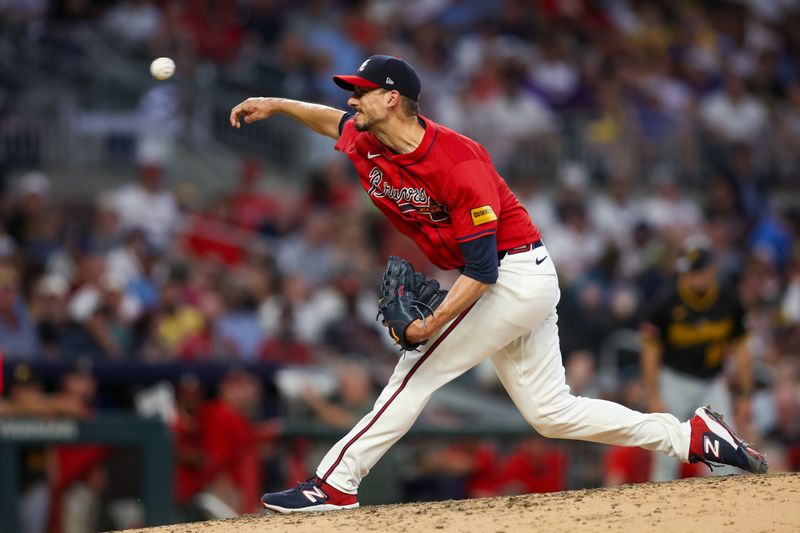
(405, 296)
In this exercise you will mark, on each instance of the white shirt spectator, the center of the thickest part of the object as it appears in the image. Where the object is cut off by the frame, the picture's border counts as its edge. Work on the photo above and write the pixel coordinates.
(734, 119)
(508, 119)
(615, 217)
(133, 21)
(557, 79)
(673, 213)
(154, 211)
(575, 245)
(542, 210)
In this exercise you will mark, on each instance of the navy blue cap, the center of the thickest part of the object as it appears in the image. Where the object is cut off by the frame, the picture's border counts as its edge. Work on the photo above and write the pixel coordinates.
(387, 72)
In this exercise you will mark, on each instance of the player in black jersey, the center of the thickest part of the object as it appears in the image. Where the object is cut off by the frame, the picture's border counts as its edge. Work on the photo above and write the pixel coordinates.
(687, 334)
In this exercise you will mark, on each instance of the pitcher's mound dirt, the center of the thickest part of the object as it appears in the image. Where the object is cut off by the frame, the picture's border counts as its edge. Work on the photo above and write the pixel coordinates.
(703, 505)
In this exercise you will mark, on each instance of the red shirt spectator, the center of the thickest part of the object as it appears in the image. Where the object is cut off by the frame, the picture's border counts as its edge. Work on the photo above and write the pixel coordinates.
(213, 235)
(793, 458)
(249, 206)
(190, 457)
(483, 461)
(74, 464)
(284, 350)
(624, 465)
(230, 441)
(535, 466)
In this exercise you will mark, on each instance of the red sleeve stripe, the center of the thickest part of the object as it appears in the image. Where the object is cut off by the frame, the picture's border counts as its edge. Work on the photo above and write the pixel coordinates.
(476, 235)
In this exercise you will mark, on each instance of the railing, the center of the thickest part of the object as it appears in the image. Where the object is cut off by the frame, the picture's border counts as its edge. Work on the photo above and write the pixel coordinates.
(150, 436)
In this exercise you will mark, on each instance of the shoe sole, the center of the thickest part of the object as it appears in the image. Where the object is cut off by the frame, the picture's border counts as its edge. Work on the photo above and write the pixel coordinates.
(311, 509)
(758, 463)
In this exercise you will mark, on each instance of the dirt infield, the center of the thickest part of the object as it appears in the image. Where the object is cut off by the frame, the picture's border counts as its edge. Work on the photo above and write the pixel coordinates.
(703, 505)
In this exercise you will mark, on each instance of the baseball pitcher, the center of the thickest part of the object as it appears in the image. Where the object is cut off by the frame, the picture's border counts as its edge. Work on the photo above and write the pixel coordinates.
(442, 190)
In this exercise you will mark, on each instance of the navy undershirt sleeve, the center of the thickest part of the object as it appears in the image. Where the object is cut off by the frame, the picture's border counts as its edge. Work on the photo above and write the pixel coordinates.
(481, 257)
(345, 118)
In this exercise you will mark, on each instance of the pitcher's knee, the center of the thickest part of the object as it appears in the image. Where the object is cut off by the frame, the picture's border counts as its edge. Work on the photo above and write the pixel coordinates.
(546, 427)
(552, 423)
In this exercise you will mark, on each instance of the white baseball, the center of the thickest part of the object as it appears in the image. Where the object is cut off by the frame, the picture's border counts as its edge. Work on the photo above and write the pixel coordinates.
(162, 68)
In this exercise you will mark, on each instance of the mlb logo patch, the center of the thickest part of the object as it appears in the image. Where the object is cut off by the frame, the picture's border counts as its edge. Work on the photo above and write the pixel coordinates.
(482, 215)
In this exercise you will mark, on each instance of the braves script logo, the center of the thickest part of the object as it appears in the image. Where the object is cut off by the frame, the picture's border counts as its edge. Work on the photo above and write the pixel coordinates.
(407, 198)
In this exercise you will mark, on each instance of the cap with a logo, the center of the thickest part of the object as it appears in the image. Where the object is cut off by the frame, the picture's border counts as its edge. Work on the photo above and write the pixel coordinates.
(388, 72)
(695, 255)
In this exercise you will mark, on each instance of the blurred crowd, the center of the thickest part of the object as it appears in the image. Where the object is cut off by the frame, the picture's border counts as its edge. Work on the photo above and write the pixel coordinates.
(623, 127)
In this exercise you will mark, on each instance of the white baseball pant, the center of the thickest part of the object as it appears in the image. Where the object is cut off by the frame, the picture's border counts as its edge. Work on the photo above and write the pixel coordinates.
(514, 323)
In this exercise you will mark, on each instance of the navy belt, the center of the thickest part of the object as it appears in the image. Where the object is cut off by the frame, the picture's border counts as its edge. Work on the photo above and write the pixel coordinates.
(520, 249)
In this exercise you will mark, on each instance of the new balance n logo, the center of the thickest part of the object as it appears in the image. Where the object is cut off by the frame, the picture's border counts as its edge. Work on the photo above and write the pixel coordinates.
(710, 447)
(315, 495)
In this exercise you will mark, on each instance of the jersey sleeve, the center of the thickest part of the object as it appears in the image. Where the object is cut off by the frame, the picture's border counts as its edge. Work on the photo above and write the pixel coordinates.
(473, 200)
(347, 133)
(481, 257)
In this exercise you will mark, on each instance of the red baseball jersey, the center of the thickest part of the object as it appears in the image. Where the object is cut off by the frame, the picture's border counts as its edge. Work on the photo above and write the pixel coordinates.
(444, 193)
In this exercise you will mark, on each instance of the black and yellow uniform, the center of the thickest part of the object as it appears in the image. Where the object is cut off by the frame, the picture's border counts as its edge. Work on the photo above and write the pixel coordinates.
(695, 330)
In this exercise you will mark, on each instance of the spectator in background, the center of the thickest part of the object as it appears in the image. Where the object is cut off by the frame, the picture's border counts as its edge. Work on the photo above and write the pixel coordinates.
(623, 465)
(78, 477)
(312, 308)
(283, 347)
(753, 182)
(250, 207)
(133, 23)
(669, 210)
(44, 243)
(100, 311)
(537, 201)
(465, 469)
(190, 456)
(215, 30)
(175, 320)
(616, 213)
(264, 21)
(204, 343)
(555, 77)
(212, 235)
(535, 465)
(788, 132)
(641, 262)
(105, 232)
(18, 339)
(126, 261)
(238, 325)
(308, 253)
(232, 475)
(610, 131)
(355, 395)
(28, 213)
(580, 373)
(576, 244)
(26, 397)
(511, 119)
(687, 333)
(330, 188)
(784, 436)
(291, 71)
(50, 312)
(147, 205)
(350, 332)
(732, 115)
